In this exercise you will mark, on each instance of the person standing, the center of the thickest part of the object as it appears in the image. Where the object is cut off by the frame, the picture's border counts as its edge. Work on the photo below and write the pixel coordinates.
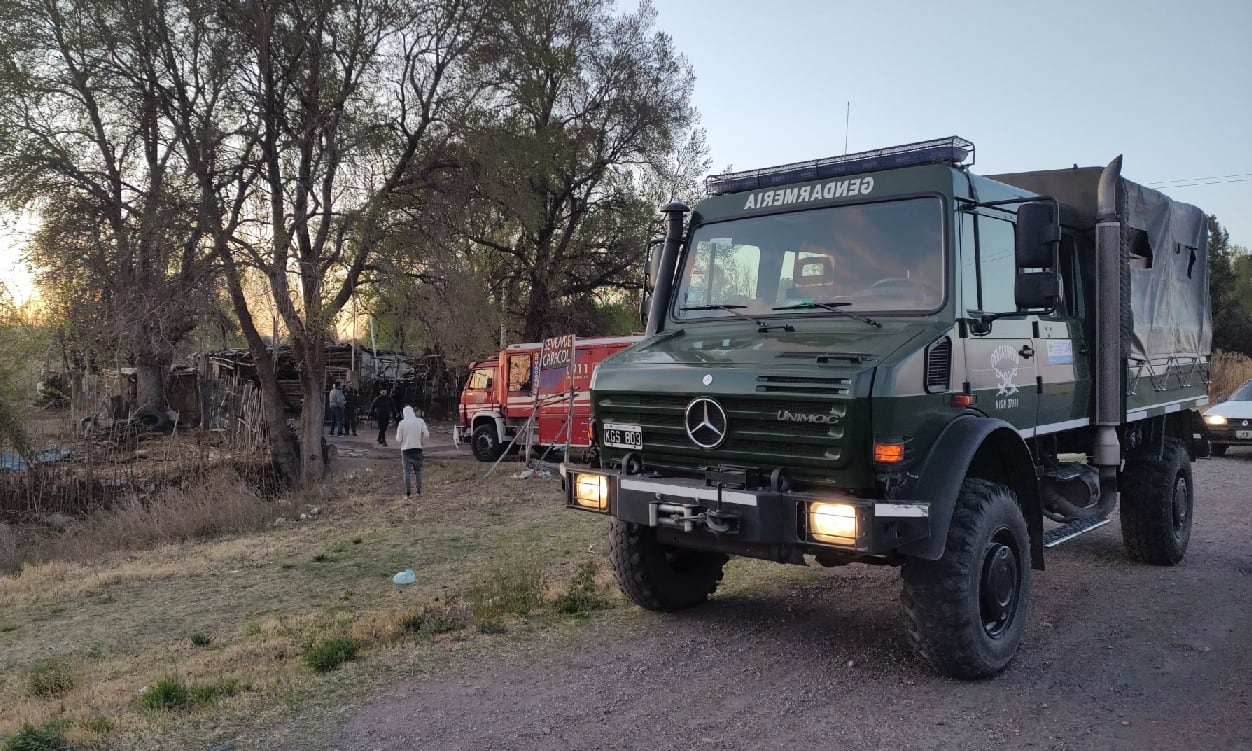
(410, 434)
(382, 409)
(352, 408)
(337, 402)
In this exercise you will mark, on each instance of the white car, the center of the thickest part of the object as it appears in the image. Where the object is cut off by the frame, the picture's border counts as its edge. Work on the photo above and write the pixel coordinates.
(1230, 422)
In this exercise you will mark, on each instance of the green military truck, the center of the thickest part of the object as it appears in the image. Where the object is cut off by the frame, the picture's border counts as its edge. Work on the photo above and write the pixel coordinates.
(885, 358)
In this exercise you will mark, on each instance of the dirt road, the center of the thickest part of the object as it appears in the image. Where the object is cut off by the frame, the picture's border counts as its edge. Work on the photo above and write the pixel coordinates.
(1118, 656)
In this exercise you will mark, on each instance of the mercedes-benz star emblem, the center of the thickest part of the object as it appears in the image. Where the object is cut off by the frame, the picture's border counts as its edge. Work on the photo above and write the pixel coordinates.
(706, 423)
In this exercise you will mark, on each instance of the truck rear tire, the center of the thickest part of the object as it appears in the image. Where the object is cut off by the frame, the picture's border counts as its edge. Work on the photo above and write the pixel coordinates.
(1158, 501)
(486, 443)
(659, 577)
(967, 610)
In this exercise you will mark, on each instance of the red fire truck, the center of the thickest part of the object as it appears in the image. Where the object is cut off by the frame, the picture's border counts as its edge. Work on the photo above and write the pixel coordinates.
(502, 393)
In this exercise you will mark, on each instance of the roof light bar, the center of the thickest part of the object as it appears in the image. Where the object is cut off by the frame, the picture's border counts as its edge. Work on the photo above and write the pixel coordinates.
(953, 150)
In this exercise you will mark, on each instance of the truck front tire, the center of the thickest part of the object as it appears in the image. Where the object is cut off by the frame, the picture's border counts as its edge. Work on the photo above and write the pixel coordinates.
(967, 610)
(660, 577)
(486, 443)
(1157, 503)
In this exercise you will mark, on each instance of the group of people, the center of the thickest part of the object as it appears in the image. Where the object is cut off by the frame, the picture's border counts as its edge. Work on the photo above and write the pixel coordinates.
(411, 430)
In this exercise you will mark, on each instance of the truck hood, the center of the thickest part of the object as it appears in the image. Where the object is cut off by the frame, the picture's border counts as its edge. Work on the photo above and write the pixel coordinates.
(845, 342)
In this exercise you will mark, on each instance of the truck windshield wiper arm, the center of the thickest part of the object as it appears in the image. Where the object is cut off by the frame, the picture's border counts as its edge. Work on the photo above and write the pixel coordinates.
(833, 307)
(761, 326)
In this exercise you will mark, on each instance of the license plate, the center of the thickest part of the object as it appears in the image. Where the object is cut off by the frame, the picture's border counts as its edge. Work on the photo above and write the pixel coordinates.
(620, 436)
(1243, 434)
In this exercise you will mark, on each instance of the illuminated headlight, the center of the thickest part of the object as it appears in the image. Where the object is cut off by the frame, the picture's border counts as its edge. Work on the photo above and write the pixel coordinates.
(1215, 419)
(591, 491)
(834, 523)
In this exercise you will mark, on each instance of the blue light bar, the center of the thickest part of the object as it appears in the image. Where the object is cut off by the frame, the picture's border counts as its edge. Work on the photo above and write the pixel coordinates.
(953, 151)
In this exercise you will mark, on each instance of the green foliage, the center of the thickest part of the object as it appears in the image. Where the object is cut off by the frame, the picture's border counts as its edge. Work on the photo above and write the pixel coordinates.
(329, 654)
(1230, 290)
(433, 620)
(200, 639)
(209, 693)
(169, 693)
(583, 594)
(49, 737)
(49, 679)
(511, 588)
(98, 724)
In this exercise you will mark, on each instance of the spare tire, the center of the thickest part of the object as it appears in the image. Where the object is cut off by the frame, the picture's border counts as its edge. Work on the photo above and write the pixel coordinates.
(155, 419)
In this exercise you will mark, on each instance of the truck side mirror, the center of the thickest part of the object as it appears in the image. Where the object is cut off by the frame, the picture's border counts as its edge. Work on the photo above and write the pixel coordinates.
(654, 262)
(1037, 235)
(645, 304)
(1037, 290)
(489, 384)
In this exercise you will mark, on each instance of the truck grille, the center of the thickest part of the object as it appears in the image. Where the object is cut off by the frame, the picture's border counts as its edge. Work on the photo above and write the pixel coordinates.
(757, 436)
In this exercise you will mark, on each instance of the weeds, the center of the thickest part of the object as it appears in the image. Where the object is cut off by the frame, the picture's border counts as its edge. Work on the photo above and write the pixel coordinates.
(49, 737)
(1229, 370)
(211, 692)
(329, 654)
(583, 594)
(512, 588)
(169, 693)
(49, 679)
(98, 724)
(434, 619)
(200, 639)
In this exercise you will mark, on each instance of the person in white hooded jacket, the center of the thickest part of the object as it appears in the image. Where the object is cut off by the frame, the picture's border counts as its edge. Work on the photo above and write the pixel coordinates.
(410, 434)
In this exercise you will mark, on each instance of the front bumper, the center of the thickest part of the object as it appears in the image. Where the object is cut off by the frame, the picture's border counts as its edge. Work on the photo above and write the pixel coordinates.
(1229, 434)
(761, 523)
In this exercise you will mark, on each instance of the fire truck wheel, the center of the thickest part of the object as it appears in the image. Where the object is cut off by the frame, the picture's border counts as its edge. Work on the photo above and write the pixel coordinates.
(967, 610)
(660, 577)
(1157, 501)
(487, 447)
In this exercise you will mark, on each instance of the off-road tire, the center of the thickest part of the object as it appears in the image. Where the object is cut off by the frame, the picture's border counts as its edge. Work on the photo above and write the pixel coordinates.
(659, 577)
(1157, 503)
(1218, 449)
(485, 443)
(948, 619)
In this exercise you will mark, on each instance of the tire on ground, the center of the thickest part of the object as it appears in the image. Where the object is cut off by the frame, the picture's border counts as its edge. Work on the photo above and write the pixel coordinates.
(659, 577)
(967, 610)
(486, 443)
(154, 419)
(1157, 504)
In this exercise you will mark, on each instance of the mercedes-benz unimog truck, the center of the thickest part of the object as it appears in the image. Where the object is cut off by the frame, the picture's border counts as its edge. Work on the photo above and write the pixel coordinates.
(885, 358)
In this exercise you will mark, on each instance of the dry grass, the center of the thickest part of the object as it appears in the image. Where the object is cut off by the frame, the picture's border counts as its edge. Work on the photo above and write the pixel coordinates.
(219, 504)
(1229, 371)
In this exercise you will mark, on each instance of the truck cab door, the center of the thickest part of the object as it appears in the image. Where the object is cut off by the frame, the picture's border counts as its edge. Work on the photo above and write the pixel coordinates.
(1062, 340)
(1001, 362)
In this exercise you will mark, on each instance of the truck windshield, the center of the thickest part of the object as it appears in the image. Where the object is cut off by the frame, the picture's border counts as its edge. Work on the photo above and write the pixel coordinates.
(880, 257)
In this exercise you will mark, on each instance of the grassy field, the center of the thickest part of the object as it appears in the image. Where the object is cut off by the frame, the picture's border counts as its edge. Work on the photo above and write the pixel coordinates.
(259, 637)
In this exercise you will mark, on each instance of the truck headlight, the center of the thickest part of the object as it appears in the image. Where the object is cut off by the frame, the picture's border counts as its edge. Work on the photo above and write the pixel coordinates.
(1215, 419)
(591, 491)
(834, 523)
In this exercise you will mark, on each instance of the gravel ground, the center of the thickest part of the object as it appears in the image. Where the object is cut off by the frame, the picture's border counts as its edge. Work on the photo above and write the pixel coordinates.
(1117, 656)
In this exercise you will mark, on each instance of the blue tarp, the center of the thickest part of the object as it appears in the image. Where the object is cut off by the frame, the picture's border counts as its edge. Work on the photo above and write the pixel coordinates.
(11, 461)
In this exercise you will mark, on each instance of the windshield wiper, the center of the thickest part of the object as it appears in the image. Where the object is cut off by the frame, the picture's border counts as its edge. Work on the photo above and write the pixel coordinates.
(761, 326)
(834, 307)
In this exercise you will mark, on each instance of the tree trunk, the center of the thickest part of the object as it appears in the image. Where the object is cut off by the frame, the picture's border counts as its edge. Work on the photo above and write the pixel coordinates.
(312, 358)
(536, 324)
(149, 384)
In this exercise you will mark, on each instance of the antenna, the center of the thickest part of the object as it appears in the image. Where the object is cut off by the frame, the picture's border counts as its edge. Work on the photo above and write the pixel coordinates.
(847, 119)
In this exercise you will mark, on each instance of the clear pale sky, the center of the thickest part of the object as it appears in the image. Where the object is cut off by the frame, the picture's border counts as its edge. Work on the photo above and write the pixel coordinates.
(1035, 85)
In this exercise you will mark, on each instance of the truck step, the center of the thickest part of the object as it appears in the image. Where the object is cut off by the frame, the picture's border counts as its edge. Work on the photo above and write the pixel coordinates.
(1055, 537)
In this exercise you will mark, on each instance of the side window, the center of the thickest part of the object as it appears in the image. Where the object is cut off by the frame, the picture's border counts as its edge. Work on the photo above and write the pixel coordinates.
(996, 264)
(519, 373)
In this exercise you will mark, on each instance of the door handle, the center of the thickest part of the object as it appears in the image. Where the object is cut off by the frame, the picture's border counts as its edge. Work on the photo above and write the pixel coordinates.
(1026, 351)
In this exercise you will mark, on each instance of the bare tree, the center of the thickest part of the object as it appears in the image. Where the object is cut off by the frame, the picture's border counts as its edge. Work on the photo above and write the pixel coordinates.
(83, 143)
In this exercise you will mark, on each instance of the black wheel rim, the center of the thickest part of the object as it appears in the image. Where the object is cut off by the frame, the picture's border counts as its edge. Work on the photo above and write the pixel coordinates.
(484, 443)
(1180, 510)
(999, 583)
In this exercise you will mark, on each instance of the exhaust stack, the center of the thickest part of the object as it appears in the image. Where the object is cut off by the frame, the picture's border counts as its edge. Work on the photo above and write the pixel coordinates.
(1112, 289)
(665, 272)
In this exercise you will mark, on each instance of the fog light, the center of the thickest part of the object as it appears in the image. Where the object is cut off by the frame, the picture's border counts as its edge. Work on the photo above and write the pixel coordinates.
(591, 491)
(832, 522)
(1215, 419)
